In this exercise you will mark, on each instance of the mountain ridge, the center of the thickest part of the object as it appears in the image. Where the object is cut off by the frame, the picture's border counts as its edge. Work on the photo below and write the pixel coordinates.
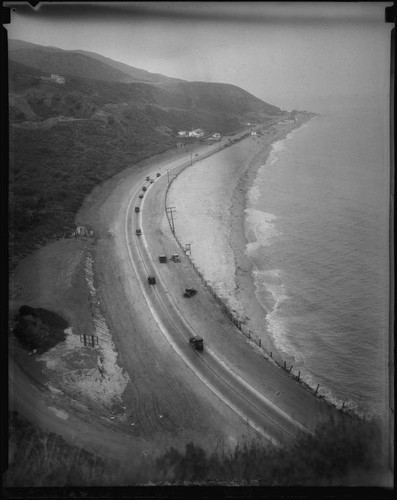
(27, 52)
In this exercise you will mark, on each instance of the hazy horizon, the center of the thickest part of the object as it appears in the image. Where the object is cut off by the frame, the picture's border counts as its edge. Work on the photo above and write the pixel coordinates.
(290, 54)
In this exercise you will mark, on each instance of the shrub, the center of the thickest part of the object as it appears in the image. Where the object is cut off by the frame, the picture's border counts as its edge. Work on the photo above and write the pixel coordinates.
(342, 451)
(39, 329)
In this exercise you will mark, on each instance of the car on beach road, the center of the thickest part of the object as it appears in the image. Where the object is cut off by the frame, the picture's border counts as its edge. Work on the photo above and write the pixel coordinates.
(148, 178)
(141, 195)
(151, 181)
(197, 342)
(158, 174)
(189, 292)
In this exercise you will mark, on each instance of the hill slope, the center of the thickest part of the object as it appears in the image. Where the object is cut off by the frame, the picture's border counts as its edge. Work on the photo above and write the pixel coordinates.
(80, 63)
(66, 138)
(136, 74)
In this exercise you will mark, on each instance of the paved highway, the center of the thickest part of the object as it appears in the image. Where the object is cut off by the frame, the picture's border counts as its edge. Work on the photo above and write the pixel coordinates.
(178, 320)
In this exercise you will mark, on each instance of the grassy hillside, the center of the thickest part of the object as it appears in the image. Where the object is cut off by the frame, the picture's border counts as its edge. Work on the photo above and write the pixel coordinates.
(341, 453)
(79, 63)
(133, 74)
(65, 139)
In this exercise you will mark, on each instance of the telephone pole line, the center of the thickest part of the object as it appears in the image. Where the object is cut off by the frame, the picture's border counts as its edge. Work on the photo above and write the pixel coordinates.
(170, 213)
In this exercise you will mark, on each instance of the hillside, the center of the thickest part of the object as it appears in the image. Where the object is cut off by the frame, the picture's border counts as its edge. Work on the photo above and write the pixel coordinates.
(136, 74)
(79, 63)
(66, 138)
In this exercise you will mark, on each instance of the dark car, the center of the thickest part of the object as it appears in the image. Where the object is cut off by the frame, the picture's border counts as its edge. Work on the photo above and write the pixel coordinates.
(141, 195)
(136, 209)
(158, 174)
(189, 292)
(197, 343)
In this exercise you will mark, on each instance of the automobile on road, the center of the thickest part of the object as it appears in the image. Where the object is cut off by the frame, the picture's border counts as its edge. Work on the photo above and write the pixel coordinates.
(189, 292)
(197, 342)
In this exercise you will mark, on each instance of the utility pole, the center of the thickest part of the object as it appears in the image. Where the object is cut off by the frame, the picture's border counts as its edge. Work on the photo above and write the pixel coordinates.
(170, 212)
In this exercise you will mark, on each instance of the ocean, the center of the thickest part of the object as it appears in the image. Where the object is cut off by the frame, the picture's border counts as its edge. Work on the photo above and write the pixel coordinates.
(317, 229)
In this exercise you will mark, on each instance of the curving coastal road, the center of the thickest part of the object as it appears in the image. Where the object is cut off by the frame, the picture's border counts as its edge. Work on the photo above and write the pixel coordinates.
(252, 389)
(238, 380)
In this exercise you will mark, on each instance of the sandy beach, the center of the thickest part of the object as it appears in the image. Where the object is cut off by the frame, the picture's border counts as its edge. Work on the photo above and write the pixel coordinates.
(210, 199)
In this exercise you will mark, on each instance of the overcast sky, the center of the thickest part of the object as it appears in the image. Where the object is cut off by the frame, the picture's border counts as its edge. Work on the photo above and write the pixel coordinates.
(291, 54)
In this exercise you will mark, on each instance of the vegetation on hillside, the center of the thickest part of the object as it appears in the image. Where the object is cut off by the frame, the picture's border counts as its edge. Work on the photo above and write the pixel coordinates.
(66, 139)
(342, 452)
(52, 170)
(39, 329)
(41, 458)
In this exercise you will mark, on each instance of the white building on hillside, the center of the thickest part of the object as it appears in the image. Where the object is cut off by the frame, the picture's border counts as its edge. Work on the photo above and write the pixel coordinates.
(198, 132)
(57, 78)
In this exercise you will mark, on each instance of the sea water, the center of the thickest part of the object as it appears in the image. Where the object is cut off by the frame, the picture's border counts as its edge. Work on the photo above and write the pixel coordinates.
(317, 226)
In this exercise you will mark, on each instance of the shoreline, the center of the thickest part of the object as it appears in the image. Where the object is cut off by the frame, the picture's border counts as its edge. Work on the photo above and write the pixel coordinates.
(211, 198)
(245, 287)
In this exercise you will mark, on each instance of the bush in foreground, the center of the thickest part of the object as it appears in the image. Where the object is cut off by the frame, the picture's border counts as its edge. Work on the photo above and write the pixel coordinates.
(39, 329)
(343, 452)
